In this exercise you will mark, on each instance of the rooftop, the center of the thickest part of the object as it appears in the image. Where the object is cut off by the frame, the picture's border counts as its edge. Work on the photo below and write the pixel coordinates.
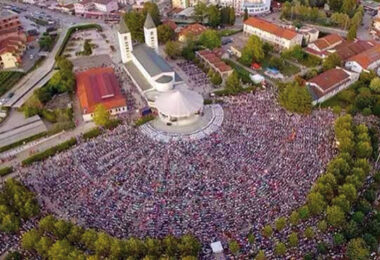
(98, 86)
(270, 28)
(366, 58)
(348, 49)
(153, 63)
(149, 24)
(328, 41)
(195, 29)
(329, 79)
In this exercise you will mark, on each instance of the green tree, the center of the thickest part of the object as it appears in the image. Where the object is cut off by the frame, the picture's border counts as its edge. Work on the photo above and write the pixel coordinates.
(295, 98)
(349, 191)
(135, 22)
(294, 218)
(335, 216)
(216, 79)
(322, 225)
(30, 239)
(62, 228)
(47, 224)
(351, 35)
(234, 247)
(165, 33)
(338, 239)
(251, 238)
(280, 223)
(75, 234)
(267, 231)
(293, 239)
(88, 239)
(87, 48)
(245, 14)
(103, 244)
(210, 39)
(173, 49)
(152, 9)
(252, 51)
(60, 250)
(214, 16)
(189, 245)
(43, 246)
(309, 233)
(335, 5)
(304, 212)
(280, 249)
(154, 247)
(233, 83)
(170, 245)
(348, 6)
(357, 249)
(332, 61)
(200, 11)
(232, 17)
(375, 85)
(316, 203)
(101, 115)
(46, 42)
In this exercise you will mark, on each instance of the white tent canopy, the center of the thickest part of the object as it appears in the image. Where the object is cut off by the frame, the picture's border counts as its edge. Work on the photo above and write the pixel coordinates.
(179, 103)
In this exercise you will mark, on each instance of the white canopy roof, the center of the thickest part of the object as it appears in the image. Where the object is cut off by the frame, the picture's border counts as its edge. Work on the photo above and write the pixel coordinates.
(179, 103)
(217, 247)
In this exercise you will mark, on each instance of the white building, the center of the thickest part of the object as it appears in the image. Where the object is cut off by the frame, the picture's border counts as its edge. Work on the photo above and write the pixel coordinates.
(272, 33)
(330, 83)
(95, 7)
(365, 61)
(156, 80)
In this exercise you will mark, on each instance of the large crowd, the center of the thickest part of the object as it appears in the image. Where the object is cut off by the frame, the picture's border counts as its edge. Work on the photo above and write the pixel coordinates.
(260, 165)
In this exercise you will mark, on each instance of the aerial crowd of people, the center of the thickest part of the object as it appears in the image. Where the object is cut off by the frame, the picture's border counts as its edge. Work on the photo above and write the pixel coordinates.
(260, 165)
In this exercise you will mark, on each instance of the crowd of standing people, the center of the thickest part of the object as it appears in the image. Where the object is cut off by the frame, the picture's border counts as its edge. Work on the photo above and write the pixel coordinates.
(260, 165)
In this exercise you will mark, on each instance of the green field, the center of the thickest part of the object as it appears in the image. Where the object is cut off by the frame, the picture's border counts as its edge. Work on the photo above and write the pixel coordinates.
(8, 79)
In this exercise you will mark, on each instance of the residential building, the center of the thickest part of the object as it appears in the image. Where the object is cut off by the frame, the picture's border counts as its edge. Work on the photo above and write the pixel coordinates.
(329, 83)
(193, 29)
(95, 7)
(321, 46)
(99, 86)
(365, 61)
(272, 33)
(309, 34)
(183, 4)
(212, 59)
(254, 7)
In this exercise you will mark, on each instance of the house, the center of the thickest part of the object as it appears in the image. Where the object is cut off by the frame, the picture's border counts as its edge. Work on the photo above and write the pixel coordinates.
(194, 30)
(365, 61)
(180, 4)
(309, 34)
(212, 60)
(272, 33)
(99, 86)
(348, 49)
(321, 46)
(329, 83)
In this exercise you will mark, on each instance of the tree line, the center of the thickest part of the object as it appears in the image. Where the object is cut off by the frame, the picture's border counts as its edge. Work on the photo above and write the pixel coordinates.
(60, 239)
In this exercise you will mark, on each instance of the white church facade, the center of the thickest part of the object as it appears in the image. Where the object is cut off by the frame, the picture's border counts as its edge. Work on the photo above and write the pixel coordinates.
(154, 76)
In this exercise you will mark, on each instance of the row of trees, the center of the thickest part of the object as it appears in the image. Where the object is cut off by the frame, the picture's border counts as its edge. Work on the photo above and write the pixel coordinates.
(59, 239)
(333, 197)
(215, 15)
(295, 98)
(17, 203)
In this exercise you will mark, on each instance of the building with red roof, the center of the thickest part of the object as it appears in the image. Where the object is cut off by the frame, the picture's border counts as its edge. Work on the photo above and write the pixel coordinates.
(365, 61)
(212, 60)
(330, 83)
(99, 86)
(272, 33)
(192, 29)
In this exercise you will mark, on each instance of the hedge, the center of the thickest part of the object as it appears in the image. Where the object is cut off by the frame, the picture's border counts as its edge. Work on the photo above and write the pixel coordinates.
(5, 171)
(92, 133)
(73, 29)
(144, 119)
(49, 152)
(26, 140)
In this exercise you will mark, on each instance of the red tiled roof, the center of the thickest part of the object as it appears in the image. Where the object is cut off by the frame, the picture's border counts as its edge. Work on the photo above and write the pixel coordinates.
(270, 28)
(195, 29)
(348, 49)
(366, 58)
(98, 86)
(330, 78)
(328, 41)
(172, 24)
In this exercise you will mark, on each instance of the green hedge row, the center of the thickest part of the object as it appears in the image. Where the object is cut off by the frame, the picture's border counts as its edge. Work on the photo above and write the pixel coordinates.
(5, 171)
(49, 152)
(92, 133)
(26, 140)
(73, 29)
(144, 119)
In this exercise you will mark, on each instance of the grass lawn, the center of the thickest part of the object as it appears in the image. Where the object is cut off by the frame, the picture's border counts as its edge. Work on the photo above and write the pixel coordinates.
(8, 79)
(288, 69)
(228, 32)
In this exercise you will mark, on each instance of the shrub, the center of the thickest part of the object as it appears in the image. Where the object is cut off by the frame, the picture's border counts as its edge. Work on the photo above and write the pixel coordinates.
(5, 171)
(49, 152)
(144, 119)
(92, 133)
